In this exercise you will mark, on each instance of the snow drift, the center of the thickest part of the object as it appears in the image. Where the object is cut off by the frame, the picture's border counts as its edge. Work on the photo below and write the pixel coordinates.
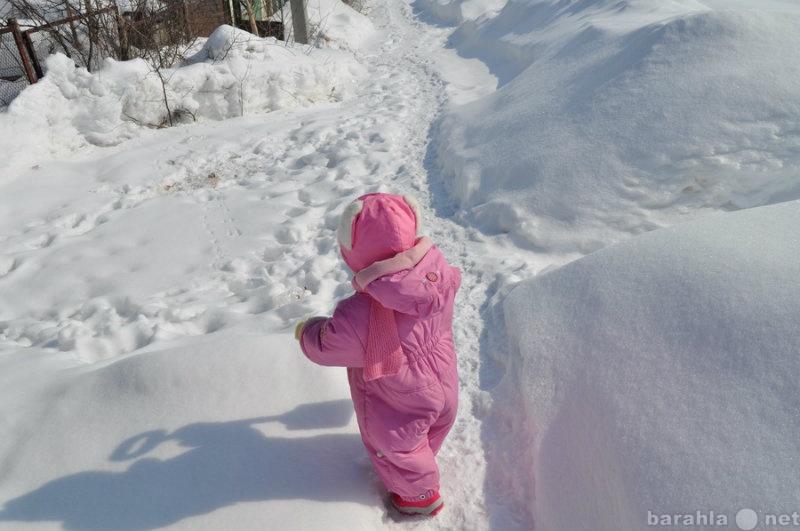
(616, 118)
(206, 437)
(658, 377)
(231, 74)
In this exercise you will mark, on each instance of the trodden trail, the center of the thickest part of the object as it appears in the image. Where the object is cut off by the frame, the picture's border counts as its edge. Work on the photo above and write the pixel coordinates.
(259, 213)
(409, 92)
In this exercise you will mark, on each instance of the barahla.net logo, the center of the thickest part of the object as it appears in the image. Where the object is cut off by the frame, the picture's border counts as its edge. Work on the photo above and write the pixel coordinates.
(745, 519)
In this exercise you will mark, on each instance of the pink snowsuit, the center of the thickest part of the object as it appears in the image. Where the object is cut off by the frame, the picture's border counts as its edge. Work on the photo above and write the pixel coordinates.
(395, 337)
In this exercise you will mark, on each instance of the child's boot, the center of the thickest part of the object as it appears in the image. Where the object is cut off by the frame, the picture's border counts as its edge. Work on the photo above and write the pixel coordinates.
(426, 505)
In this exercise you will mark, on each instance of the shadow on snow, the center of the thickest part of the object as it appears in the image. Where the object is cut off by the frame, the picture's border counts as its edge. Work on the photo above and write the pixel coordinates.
(224, 463)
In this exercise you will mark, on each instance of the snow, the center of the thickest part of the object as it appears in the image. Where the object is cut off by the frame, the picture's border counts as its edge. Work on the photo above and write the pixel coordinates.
(634, 119)
(617, 181)
(668, 360)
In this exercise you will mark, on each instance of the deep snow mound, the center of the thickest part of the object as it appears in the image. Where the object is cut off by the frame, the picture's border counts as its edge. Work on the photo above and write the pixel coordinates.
(231, 74)
(514, 37)
(197, 435)
(657, 377)
(626, 119)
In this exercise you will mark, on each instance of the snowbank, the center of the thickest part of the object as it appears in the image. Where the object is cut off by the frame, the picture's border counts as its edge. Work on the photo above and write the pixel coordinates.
(615, 118)
(657, 377)
(460, 11)
(336, 25)
(233, 74)
(208, 435)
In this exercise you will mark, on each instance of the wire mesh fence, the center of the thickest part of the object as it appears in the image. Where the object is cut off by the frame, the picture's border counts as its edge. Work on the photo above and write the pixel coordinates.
(15, 68)
(12, 76)
(87, 35)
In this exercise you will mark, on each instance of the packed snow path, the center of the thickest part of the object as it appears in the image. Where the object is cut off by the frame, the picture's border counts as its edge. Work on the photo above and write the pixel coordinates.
(229, 230)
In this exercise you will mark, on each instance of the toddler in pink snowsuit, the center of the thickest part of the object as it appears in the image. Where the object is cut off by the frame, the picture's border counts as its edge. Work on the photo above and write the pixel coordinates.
(395, 337)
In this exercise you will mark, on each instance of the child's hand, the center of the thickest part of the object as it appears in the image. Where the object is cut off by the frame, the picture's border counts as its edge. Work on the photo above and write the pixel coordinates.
(299, 329)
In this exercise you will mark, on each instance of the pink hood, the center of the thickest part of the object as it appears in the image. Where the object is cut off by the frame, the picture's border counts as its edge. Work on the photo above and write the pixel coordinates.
(376, 227)
(378, 240)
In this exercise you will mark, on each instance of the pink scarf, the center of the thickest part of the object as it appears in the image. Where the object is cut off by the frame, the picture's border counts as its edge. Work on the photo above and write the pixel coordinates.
(384, 352)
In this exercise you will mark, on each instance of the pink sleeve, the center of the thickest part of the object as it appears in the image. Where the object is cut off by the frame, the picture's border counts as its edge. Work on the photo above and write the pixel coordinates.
(333, 341)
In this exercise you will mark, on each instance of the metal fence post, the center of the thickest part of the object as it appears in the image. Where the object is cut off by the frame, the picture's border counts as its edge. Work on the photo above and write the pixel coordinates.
(299, 21)
(23, 54)
(37, 67)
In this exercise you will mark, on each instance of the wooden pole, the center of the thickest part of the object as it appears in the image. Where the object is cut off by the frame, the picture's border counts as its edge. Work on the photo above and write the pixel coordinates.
(72, 18)
(122, 34)
(252, 16)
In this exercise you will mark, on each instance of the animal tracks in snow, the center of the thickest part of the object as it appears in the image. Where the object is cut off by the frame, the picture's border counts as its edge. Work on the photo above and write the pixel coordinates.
(197, 239)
